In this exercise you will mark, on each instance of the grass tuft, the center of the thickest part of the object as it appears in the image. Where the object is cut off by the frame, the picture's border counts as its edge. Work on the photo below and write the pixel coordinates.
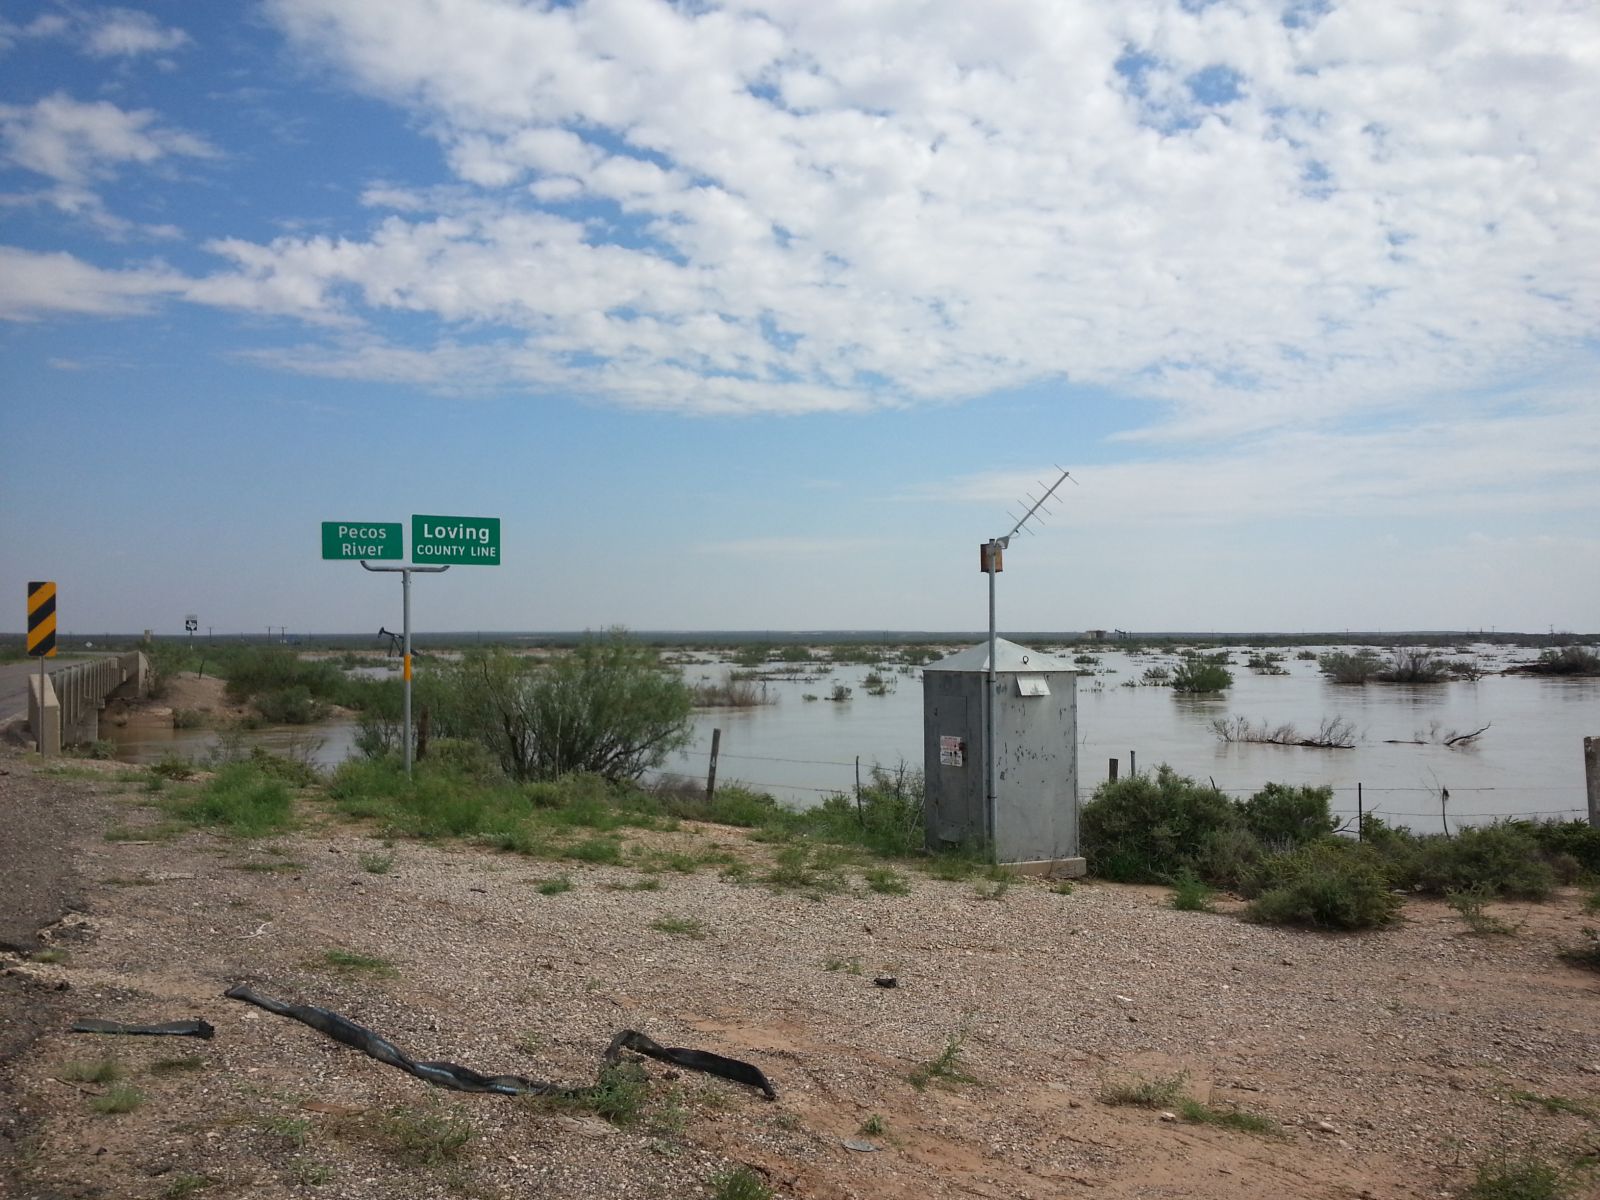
(1161, 1092)
(739, 1183)
(689, 927)
(1522, 1178)
(100, 1070)
(1191, 894)
(1237, 1119)
(945, 1069)
(348, 960)
(119, 1098)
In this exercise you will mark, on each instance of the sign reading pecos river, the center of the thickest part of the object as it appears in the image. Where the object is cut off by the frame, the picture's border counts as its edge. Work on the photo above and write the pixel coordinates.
(362, 539)
(456, 541)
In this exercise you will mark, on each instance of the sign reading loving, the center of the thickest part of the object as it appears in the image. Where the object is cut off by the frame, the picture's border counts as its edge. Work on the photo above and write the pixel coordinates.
(457, 541)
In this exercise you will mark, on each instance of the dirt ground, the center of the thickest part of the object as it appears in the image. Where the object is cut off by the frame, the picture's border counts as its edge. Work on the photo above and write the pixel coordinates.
(1391, 1062)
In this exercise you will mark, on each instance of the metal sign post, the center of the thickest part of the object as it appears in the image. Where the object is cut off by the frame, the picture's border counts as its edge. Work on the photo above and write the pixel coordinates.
(470, 541)
(405, 590)
(41, 639)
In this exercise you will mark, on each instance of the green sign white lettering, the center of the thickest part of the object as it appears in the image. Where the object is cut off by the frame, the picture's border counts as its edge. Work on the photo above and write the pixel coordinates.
(455, 541)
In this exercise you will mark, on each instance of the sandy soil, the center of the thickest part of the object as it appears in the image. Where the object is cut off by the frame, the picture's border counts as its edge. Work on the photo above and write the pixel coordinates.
(1392, 1061)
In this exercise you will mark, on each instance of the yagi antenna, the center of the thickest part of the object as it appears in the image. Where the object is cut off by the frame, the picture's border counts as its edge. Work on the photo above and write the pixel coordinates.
(990, 561)
(1038, 505)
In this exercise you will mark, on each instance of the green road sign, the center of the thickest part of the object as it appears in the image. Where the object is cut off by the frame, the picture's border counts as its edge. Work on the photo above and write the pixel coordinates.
(363, 539)
(456, 541)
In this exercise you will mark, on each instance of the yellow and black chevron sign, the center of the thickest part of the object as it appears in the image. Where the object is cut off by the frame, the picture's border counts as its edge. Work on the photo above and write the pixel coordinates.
(41, 620)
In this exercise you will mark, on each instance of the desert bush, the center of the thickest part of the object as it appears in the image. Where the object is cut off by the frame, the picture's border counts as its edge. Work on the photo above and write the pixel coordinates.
(1499, 860)
(1413, 666)
(1576, 839)
(1146, 828)
(293, 705)
(1569, 660)
(1198, 676)
(1191, 894)
(1284, 816)
(1328, 884)
(605, 708)
(1349, 668)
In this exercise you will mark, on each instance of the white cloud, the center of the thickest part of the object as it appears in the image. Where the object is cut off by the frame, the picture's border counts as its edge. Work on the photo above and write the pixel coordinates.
(1508, 465)
(125, 32)
(792, 203)
(37, 284)
(99, 32)
(74, 142)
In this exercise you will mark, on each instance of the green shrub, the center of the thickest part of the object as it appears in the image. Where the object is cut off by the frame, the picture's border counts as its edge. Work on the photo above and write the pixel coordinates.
(1349, 668)
(1190, 894)
(1520, 1178)
(1330, 885)
(1198, 676)
(1227, 857)
(1569, 660)
(294, 705)
(607, 707)
(464, 757)
(1577, 839)
(1413, 666)
(1147, 828)
(240, 799)
(1285, 817)
(1499, 859)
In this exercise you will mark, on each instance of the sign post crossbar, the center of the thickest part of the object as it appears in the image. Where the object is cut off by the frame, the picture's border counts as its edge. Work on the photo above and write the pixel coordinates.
(405, 590)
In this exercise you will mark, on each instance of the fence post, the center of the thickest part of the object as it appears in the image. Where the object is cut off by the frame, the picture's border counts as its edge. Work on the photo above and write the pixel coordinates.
(1591, 776)
(1133, 762)
(1113, 776)
(1361, 816)
(711, 772)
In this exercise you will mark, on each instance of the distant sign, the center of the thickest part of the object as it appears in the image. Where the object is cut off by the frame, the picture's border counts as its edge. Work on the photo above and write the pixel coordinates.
(363, 539)
(455, 541)
(191, 623)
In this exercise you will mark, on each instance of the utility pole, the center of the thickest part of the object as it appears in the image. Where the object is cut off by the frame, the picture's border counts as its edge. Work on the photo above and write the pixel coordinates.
(991, 560)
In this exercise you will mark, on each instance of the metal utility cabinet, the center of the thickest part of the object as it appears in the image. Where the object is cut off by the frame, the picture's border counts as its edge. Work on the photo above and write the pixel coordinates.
(1034, 824)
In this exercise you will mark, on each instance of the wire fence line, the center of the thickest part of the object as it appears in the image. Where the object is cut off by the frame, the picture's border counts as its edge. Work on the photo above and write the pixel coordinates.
(1579, 810)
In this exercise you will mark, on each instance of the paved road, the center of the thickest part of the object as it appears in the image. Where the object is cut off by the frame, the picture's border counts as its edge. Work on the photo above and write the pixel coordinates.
(14, 684)
(13, 680)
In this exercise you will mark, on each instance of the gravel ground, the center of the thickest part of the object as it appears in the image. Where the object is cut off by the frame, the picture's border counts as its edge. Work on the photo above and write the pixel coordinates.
(1391, 1060)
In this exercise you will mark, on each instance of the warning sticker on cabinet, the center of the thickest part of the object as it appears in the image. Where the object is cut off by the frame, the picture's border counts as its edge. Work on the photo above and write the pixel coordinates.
(952, 751)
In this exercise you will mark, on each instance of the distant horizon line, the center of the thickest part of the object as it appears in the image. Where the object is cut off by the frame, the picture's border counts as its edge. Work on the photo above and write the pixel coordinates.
(857, 634)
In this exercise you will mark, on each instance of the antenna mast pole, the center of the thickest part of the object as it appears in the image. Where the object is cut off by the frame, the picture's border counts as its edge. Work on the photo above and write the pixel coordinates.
(992, 562)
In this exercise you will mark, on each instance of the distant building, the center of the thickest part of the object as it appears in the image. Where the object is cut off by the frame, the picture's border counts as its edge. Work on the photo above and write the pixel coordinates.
(1095, 635)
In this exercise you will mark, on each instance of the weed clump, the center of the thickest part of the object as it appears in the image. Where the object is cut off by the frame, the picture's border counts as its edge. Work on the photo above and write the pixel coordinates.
(1145, 828)
(739, 1183)
(1326, 885)
(1161, 1092)
(1190, 894)
(945, 1068)
(241, 800)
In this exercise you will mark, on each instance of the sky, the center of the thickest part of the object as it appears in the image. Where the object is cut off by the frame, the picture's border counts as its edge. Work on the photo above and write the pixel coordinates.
(763, 315)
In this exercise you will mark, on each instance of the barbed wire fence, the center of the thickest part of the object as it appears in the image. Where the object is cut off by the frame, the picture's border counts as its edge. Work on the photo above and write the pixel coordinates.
(1349, 799)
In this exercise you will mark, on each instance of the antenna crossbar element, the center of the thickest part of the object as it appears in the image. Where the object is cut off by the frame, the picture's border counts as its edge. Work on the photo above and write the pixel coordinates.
(1037, 505)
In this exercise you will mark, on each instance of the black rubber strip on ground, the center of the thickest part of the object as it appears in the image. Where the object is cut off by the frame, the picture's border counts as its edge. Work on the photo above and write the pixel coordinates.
(199, 1029)
(465, 1079)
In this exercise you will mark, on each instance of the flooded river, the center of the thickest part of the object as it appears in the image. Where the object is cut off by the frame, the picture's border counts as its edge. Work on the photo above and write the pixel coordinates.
(1528, 762)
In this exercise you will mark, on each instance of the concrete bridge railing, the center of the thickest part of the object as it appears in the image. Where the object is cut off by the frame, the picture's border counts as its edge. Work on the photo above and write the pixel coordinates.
(64, 705)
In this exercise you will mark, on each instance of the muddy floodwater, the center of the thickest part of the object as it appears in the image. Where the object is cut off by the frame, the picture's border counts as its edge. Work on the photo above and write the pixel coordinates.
(1528, 762)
